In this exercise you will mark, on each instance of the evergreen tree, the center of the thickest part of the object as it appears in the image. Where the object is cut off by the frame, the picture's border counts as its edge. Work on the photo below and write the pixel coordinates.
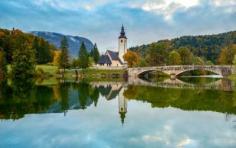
(43, 51)
(23, 64)
(96, 53)
(64, 56)
(83, 57)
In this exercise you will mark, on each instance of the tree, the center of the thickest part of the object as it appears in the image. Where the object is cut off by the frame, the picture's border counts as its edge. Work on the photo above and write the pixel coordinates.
(234, 61)
(64, 56)
(174, 58)
(132, 58)
(43, 51)
(186, 55)
(3, 65)
(157, 54)
(198, 61)
(83, 57)
(56, 57)
(95, 53)
(23, 64)
(227, 54)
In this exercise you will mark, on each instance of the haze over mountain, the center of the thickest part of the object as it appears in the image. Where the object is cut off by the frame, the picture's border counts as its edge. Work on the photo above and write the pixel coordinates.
(73, 41)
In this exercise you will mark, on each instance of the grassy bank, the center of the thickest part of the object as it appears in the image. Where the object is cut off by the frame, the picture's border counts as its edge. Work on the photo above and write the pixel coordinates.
(97, 74)
(51, 71)
(232, 77)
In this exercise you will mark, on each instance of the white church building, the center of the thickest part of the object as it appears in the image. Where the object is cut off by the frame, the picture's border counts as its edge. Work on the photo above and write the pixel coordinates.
(113, 58)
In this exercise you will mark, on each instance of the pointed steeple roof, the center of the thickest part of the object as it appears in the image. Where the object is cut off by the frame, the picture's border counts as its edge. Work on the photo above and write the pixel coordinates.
(122, 32)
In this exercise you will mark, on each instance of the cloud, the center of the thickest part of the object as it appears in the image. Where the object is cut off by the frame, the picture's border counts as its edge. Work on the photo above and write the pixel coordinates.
(165, 7)
(100, 20)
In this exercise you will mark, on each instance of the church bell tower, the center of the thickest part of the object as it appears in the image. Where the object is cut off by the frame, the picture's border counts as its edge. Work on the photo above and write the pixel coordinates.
(122, 44)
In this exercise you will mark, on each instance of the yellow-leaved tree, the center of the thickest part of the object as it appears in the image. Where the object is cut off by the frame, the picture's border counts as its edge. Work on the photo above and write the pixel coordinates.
(132, 58)
(56, 56)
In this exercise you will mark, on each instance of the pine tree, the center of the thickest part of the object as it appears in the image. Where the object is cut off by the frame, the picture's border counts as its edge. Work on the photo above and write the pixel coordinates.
(83, 57)
(64, 57)
(96, 54)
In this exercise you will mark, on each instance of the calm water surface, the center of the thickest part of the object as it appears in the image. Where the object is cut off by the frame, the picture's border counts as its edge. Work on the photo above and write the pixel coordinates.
(190, 112)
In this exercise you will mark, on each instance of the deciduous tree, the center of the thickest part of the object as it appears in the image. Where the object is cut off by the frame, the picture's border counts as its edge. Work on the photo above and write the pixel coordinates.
(186, 55)
(3, 65)
(174, 58)
(132, 58)
(227, 54)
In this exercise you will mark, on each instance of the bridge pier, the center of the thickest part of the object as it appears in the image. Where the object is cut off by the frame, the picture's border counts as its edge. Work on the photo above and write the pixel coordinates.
(172, 76)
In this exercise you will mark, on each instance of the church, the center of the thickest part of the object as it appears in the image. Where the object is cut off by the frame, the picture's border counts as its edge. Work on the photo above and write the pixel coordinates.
(113, 58)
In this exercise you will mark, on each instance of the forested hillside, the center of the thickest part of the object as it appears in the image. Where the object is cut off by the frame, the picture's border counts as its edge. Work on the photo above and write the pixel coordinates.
(13, 40)
(206, 47)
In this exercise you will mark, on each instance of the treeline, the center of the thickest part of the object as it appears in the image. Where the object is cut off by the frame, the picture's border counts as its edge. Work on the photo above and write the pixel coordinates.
(83, 60)
(12, 40)
(24, 51)
(208, 49)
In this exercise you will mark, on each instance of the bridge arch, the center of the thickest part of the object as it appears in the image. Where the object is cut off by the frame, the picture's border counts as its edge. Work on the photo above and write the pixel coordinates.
(184, 71)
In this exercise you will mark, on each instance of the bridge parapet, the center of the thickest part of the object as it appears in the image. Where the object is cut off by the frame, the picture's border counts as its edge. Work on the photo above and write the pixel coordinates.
(223, 70)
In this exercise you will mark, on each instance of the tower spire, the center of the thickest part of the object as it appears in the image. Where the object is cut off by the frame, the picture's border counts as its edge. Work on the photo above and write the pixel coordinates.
(122, 32)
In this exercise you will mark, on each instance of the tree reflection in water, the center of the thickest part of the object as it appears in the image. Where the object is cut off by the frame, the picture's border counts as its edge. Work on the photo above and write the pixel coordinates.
(23, 97)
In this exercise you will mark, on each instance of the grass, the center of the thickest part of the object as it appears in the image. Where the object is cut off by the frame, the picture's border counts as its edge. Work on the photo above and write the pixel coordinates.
(232, 77)
(97, 74)
(46, 71)
(49, 70)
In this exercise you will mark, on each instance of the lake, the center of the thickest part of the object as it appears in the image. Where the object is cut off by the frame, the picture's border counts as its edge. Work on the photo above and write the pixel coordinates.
(186, 112)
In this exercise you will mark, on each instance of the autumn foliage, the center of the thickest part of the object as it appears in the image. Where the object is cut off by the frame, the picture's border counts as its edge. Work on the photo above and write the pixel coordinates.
(132, 58)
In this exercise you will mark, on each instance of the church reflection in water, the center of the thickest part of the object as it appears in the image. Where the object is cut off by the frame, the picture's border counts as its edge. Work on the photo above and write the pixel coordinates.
(111, 90)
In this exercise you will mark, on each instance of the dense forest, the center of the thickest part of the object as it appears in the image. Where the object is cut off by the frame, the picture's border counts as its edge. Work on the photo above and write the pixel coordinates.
(205, 48)
(12, 40)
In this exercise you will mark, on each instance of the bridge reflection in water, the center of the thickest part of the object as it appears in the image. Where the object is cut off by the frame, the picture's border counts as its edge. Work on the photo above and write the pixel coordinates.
(220, 84)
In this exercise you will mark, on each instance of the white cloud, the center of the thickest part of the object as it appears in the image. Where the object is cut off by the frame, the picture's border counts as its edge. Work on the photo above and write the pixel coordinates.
(165, 7)
(185, 142)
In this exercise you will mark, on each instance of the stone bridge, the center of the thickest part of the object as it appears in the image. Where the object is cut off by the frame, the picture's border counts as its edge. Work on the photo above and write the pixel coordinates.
(173, 71)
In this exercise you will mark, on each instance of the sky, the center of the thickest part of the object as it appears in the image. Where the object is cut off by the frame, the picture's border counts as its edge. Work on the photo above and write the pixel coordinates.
(145, 21)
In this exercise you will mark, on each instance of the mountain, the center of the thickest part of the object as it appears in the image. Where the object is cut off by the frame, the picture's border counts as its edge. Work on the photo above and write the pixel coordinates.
(206, 46)
(73, 41)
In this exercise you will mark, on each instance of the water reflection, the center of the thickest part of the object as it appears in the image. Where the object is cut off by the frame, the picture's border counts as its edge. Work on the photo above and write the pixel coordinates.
(187, 82)
(86, 114)
(17, 100)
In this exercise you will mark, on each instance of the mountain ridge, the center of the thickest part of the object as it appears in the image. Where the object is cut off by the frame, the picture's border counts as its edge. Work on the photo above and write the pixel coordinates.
(74, 42)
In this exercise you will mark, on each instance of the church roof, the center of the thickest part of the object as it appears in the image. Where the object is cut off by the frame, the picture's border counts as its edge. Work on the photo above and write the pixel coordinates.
(104, 59)
(122, 32)
(114, 55)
